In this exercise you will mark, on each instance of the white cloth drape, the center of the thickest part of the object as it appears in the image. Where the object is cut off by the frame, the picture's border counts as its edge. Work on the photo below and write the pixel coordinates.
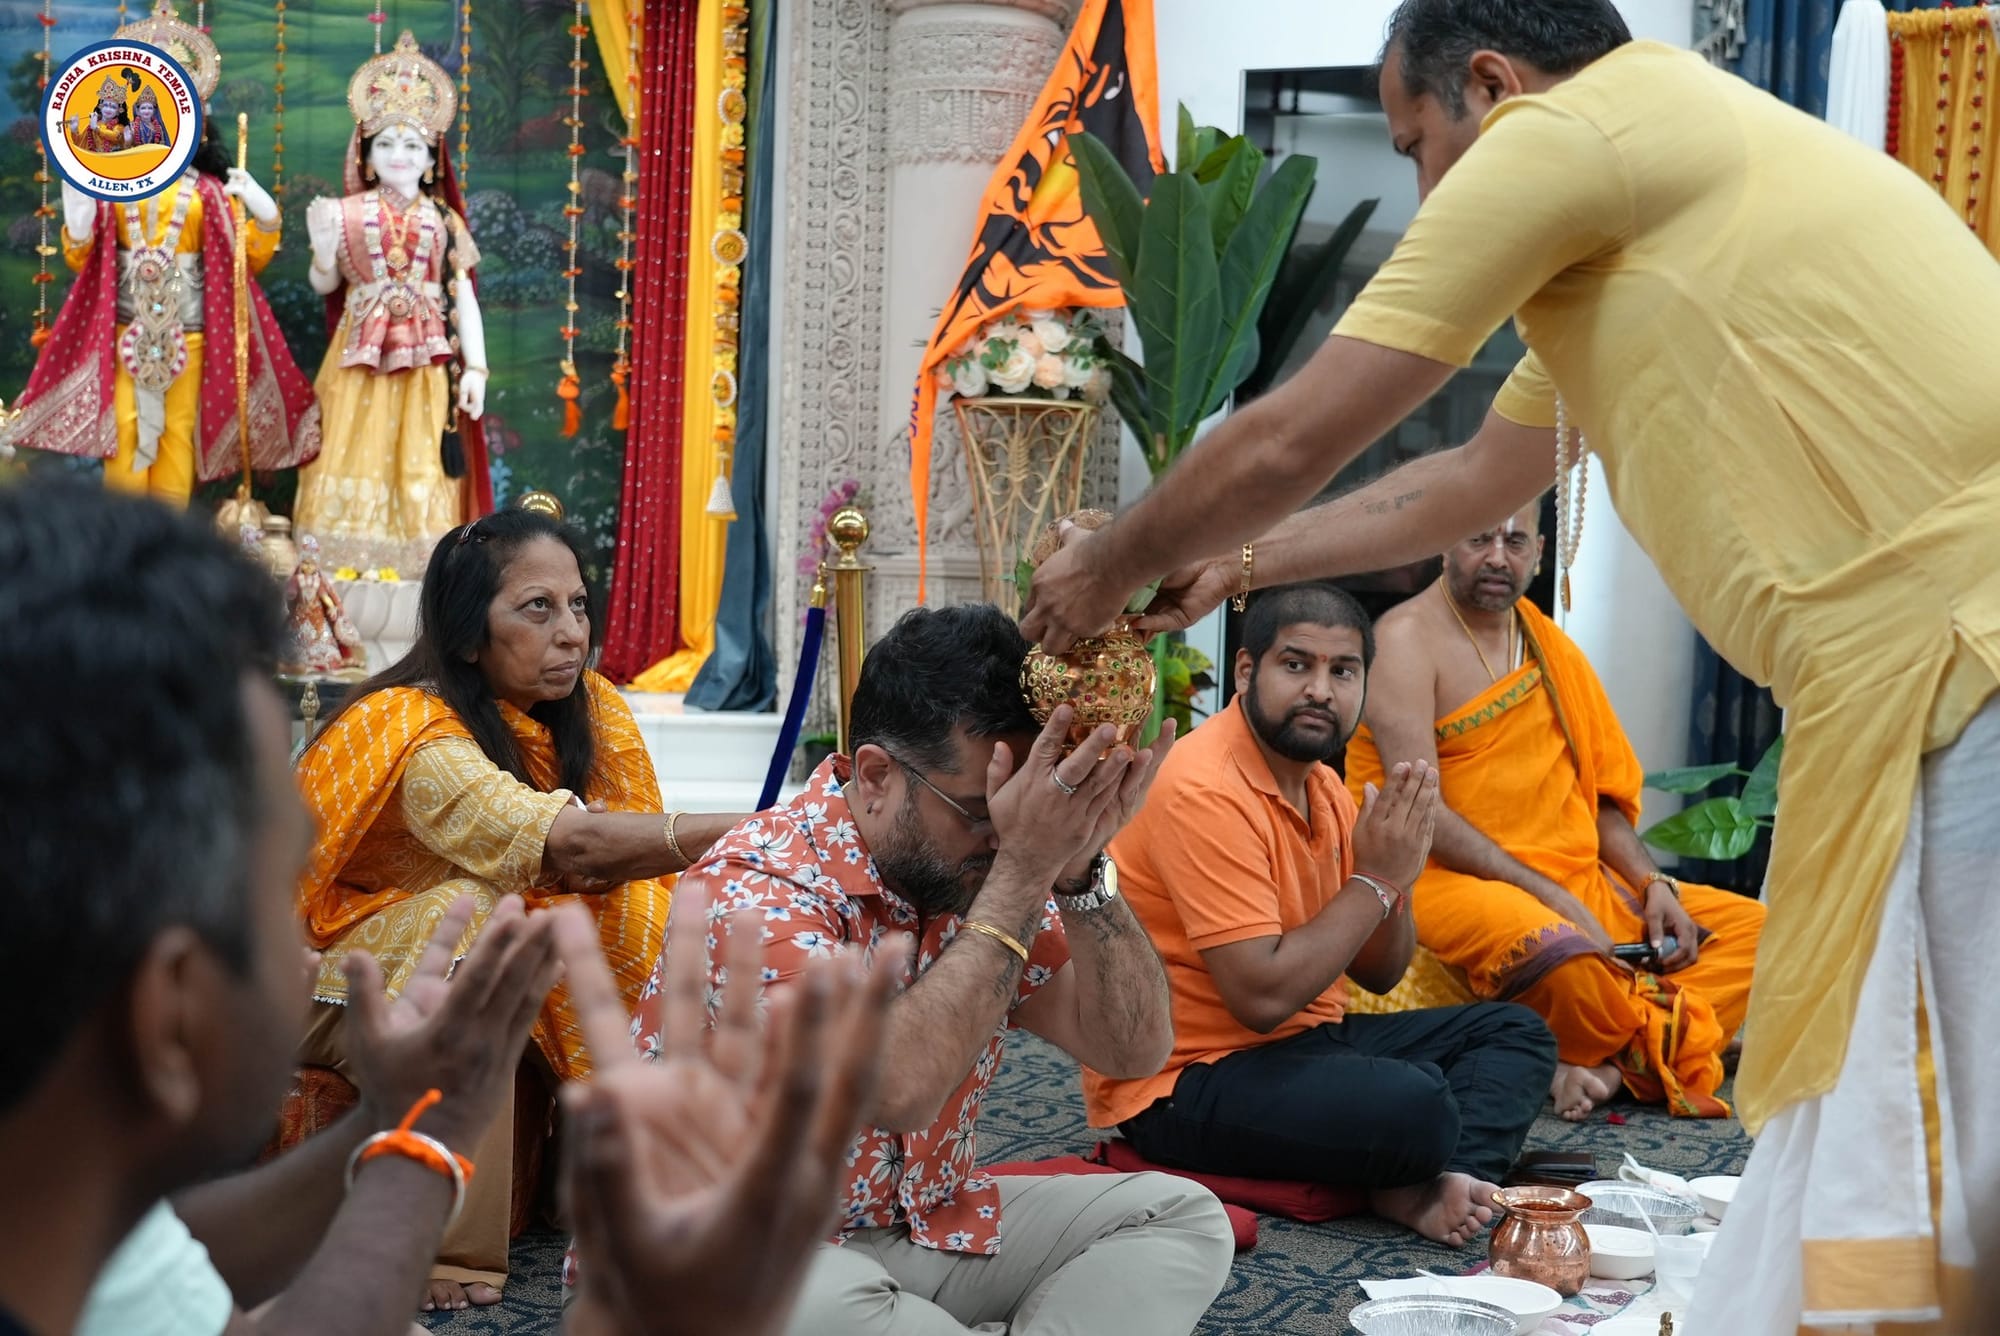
(1857, 95)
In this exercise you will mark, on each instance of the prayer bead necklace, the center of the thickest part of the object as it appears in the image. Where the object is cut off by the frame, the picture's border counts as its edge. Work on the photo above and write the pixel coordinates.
(1572, 485)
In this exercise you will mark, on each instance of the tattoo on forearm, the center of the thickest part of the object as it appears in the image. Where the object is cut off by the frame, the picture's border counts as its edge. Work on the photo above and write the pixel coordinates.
(1384, 507)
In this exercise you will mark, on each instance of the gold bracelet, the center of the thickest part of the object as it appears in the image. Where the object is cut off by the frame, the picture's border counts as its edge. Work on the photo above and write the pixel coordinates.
(674, 845)
(988, 930)
(1241, 599)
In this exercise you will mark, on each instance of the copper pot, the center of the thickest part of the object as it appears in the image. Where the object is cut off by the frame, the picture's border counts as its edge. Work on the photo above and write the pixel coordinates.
(1542, 1239)
(1105, 679)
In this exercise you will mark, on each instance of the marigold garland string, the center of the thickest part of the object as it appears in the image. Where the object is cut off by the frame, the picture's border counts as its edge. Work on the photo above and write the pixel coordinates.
(730, 248)
(46, 210)
(464, 163)
(278, 109)
(628, 201)
(570, 388)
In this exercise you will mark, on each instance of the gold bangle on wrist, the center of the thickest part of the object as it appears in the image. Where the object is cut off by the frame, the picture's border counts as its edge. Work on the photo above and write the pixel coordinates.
(1241, 598)
(674, 845)
(1005, 939)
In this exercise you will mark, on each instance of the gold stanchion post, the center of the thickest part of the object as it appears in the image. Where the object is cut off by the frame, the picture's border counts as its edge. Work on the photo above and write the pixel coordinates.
(849, 530)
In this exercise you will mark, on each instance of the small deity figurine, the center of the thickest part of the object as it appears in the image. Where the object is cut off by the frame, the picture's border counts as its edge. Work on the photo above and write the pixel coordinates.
(408, 356)
(109, 129)
(140, 367)
(323, 642)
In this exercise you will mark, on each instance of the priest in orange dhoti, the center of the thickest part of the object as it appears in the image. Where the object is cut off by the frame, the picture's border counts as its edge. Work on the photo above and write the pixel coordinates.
(1538, 869)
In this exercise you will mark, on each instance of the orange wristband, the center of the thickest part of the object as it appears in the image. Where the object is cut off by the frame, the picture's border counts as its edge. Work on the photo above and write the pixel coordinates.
(426, 1150)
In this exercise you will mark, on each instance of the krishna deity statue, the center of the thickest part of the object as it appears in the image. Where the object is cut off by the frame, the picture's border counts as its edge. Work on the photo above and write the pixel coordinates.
(139, 368)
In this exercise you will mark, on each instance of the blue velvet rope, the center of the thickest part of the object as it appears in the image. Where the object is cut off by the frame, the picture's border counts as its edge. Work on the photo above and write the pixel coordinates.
(795, 711)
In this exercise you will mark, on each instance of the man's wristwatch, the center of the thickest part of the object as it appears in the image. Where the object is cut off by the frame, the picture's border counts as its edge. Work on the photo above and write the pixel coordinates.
(1673, 884)
(1101, 891)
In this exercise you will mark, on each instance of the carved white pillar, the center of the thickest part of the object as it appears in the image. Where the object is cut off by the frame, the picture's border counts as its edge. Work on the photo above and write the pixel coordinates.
(895, 113)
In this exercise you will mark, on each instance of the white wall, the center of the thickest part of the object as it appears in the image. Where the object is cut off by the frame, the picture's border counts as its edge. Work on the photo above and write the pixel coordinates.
(1624, 618)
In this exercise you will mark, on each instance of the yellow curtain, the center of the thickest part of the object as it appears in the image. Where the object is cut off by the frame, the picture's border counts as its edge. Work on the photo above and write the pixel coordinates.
(615, 22)
(1967, 164)
(703, 536)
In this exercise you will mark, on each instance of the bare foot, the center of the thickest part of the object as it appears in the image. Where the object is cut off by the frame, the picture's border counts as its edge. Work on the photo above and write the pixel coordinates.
(446, 1296)
(1578, 1090)
(1450, 1209)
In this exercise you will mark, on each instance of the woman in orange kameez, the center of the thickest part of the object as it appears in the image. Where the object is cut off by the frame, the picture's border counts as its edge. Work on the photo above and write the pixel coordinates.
(490, 761)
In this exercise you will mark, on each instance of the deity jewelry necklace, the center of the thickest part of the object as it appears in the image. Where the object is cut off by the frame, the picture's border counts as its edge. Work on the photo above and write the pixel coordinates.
(1572, 485)
(397, 253)
(1513, 622)
(154, 349)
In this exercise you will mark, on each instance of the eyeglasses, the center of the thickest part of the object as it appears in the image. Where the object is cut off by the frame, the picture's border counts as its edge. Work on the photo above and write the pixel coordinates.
(978, 824)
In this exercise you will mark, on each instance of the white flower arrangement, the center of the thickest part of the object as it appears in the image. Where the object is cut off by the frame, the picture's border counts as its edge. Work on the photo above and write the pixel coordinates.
(1034, 354)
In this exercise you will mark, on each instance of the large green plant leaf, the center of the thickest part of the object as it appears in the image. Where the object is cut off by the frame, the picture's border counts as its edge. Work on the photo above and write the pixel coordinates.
(1760, 791)
(1111, 200)
(1128, 392)
(1176, 303)
(1303, 283)
(1231, 188)
(1689, 779)
(1185, 155)
(1249, 266)
(1718, 829)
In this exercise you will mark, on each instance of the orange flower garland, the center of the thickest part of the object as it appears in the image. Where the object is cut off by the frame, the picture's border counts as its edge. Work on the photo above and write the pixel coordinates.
(464, 163)
(570, 388)
(729, 247)
(46, 211)
(278, 110)
(628, 201)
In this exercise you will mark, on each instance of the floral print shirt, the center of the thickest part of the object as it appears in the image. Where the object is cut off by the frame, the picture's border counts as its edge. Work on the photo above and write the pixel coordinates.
(803, 867)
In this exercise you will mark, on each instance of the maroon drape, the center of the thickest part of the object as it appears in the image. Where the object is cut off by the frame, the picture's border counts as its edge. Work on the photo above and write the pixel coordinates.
(645, 575)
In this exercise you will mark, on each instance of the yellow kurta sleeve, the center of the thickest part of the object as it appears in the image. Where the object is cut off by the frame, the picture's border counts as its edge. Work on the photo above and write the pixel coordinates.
(464, 808)
(1540, 191)
(1528, 399)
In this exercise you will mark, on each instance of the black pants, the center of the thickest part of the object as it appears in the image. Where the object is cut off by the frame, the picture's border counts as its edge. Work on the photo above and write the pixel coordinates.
(1373, 1102)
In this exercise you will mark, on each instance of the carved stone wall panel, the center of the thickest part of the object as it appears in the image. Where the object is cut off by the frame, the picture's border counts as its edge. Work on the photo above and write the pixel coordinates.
(961, 86)
(829, 357)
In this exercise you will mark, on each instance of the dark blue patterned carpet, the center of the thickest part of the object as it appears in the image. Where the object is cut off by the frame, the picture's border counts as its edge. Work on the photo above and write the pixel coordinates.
(1298, 1280)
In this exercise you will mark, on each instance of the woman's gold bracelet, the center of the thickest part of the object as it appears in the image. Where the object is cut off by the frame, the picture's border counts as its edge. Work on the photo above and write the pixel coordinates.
(674, 845)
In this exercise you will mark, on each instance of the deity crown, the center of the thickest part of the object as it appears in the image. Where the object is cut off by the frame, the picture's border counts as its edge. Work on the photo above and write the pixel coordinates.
(189, 45)
(402, 87)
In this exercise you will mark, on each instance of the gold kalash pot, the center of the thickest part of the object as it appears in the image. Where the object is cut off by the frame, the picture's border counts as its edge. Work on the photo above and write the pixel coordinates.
(1107, 678)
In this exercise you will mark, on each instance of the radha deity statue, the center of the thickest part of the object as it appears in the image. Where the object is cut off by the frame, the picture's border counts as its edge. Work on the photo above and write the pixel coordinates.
(139, 369)
(147, 127)
(404, 381)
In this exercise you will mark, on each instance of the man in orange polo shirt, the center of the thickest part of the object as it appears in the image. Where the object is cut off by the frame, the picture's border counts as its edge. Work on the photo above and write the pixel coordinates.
(1265, 889)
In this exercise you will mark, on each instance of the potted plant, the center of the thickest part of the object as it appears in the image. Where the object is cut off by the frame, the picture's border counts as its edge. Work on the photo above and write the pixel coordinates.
(1197, 262)
(1717, 829)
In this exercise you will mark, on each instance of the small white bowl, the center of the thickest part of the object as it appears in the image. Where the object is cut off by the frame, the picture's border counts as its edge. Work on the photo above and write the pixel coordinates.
(1617, 1253)
(1529, 1302)
(1716, 1192)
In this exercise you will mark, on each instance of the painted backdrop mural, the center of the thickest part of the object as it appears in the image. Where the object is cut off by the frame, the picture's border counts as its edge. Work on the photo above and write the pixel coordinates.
(516, 190)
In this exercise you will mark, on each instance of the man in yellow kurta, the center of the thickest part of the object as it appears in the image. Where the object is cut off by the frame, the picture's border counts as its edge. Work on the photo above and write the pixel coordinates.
(1761, 328)
(1537, 868)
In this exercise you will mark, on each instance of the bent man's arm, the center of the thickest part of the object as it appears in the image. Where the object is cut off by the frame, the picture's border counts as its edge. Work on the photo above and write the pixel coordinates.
(1265, 981)
(1108, 1008)
(260, 1227)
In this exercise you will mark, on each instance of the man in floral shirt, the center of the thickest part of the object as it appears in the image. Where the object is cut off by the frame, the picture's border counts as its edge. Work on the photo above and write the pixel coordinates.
(960, 823)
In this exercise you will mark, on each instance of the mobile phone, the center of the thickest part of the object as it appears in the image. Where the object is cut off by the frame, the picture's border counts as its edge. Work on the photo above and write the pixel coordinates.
(1643, 951)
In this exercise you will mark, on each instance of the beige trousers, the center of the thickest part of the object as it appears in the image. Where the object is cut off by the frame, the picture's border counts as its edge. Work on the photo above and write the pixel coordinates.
(474, 1250)
(1080, 1255)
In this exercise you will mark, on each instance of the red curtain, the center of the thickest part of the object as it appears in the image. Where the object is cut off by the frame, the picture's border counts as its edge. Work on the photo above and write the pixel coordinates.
(645, 575)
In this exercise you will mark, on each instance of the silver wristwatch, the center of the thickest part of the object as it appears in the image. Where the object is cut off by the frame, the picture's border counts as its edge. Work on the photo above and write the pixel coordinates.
(1103, 889)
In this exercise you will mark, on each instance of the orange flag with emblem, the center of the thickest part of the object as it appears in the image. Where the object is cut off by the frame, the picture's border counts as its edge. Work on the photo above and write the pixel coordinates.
(1035, 247)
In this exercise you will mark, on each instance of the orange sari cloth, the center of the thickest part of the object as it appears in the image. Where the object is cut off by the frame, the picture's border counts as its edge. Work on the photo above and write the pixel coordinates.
(1506, 765)
(373, 884)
